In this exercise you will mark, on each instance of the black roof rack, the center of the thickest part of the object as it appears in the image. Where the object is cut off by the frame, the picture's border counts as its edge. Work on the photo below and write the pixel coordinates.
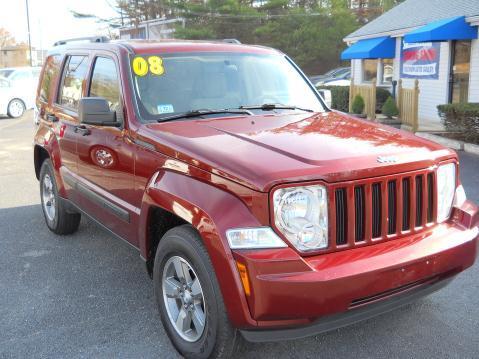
(232, 41)
(87, 39)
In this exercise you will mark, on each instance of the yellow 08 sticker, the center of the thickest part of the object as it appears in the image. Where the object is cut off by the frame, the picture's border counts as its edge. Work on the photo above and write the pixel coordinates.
(154, 65)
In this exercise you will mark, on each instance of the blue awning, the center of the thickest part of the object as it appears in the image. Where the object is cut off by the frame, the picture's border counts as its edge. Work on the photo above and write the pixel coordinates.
(377, 48)
(454, 28)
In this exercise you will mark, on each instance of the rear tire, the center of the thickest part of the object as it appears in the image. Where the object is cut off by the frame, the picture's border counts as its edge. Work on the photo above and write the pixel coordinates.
(57, 218)
(16, 108)
(213, 338)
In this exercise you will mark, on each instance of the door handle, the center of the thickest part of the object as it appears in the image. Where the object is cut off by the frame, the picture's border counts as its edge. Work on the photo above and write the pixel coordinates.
(82, 129)
(51, 117)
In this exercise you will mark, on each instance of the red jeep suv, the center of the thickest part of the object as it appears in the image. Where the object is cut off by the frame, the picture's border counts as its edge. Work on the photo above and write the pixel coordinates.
(256, 209)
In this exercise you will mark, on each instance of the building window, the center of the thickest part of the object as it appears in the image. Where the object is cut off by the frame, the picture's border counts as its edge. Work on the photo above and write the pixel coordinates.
(370, 70)
(460, 71)
(387, 71)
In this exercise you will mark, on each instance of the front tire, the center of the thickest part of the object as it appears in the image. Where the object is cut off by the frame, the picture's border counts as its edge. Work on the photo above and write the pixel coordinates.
(57, 218)
(189, 298)
(16, 108)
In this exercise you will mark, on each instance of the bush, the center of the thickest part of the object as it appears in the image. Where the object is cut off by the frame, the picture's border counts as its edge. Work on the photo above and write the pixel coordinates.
(461, 117)
(381, 97)
(358, 105)
(389, 108)
(339, 97)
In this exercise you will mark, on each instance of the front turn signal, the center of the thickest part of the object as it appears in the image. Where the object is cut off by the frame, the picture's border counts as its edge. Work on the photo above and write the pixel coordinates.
(243, 272)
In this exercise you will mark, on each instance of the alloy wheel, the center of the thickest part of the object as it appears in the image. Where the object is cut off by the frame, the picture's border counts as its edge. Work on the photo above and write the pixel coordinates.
(184, 299)
(48, 197)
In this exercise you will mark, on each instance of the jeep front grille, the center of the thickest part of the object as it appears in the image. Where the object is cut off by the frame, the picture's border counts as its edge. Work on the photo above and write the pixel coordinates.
(368, 211)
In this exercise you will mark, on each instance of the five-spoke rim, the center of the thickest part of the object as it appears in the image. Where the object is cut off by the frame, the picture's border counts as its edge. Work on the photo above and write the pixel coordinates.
(48, 197)
(184, 300)
(16, 108)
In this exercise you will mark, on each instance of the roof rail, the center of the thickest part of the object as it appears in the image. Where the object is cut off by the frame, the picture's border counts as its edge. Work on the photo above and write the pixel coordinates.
(232, 41)
(87, 39)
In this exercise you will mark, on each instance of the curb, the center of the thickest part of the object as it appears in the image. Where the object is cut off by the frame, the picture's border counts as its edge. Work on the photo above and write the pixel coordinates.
(471, 148)
(454, 144)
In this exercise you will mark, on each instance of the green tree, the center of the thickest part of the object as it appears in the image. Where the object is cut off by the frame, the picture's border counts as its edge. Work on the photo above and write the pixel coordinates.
(310, 31)
(389, 108)
(358, 105)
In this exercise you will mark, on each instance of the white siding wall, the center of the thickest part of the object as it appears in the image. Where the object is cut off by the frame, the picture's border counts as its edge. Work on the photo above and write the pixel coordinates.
(474, 77)
(356, 64)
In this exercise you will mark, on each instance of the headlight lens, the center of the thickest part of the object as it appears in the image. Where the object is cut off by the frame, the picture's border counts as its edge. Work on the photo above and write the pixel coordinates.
(446, 186)
(301, 214)
(253, 238)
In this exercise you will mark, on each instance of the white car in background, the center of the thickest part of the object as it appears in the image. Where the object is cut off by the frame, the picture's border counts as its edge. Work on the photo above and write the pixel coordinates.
(18, 86)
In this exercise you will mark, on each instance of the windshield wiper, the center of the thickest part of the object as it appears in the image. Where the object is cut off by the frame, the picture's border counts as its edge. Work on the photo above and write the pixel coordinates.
(197, 113)
(275, 106)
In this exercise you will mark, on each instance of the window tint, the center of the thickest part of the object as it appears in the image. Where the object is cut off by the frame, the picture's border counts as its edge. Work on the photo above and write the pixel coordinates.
(73, 76)
(104, 81)
(52, 69)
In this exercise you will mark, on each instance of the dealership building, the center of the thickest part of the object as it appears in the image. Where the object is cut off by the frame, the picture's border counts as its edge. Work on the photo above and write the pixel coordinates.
(433, 41)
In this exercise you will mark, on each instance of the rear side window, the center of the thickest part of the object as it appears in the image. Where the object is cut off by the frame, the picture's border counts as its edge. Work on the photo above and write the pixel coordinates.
(104, 82)
(52, 69)
(74, 74)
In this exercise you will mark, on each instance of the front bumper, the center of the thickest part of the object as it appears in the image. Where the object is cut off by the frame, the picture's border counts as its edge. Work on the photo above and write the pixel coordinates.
(332, 322)
(289, 291)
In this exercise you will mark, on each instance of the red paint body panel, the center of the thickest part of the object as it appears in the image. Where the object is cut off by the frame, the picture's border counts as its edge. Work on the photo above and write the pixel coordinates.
(219, 174)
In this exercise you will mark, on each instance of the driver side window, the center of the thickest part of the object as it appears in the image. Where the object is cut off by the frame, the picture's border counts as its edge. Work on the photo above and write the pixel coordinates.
(104, 82)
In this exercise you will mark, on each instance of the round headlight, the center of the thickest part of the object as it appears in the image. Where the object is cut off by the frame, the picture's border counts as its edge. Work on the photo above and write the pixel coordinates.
(301, 215)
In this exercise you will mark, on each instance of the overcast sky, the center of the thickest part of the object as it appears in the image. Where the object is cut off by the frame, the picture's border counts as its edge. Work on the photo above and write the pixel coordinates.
(51, 20)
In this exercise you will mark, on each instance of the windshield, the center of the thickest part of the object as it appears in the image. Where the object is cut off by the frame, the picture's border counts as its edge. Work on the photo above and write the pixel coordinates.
(178, 83)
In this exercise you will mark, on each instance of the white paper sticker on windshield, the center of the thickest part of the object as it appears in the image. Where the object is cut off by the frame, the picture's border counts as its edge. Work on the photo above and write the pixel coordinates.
(167, 108)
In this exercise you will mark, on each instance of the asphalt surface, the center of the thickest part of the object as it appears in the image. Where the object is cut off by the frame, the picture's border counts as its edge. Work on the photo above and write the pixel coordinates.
(88, 295)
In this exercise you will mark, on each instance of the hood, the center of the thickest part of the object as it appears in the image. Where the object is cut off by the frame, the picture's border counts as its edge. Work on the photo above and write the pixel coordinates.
(261, 151)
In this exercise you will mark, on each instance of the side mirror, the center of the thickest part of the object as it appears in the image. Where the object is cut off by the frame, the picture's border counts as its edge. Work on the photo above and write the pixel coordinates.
(96, 111)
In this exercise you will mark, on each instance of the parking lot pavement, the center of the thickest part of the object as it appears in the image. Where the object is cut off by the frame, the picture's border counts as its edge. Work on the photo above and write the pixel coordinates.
(88, 295)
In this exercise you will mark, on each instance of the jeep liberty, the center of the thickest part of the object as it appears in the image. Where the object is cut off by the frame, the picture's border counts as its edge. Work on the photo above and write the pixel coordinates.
(260, 213)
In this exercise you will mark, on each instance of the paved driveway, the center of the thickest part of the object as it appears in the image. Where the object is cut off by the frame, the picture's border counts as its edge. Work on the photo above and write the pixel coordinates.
(88, 295)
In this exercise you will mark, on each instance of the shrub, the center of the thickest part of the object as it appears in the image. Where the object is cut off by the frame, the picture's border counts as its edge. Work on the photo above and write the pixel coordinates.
(339, 97)
(381, 97)
(358, 105)
(461, 117)
(389, 108)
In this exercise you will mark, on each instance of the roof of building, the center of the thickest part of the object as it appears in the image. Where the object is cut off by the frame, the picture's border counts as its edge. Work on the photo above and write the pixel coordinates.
(413, 13)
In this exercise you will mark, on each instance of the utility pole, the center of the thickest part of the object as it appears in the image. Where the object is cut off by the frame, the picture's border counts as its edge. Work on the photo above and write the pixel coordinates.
(29, 38)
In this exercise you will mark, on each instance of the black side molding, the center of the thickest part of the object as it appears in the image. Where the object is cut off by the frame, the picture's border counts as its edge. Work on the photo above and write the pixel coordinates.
(111, 207)
(344, 319)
